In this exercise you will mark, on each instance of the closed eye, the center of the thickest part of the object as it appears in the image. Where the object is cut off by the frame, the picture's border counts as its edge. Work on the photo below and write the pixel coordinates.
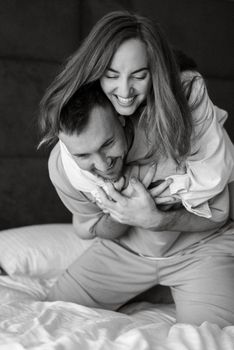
(111, 76)
(81, 156)
(140, 77)
(108, 143)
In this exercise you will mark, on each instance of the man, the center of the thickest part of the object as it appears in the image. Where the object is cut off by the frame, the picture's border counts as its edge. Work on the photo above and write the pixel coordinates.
(94, 149)
(122, 260)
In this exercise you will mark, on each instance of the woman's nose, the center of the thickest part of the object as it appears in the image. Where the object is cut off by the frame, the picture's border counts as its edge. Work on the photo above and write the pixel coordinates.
(124, 88)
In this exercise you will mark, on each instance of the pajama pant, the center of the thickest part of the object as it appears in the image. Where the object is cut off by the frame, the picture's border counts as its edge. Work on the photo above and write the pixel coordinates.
(201, 278)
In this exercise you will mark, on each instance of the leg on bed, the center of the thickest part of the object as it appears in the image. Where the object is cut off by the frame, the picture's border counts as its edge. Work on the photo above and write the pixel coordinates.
(206, 293)
(105, 276)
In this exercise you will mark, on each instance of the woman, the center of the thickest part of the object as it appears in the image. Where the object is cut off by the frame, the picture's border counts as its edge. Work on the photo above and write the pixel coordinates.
(174, 106)
(138, 72)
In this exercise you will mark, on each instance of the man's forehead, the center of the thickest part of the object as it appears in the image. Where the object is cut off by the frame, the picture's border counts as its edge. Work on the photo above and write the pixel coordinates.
(101, 127)
(84, 143)
(87, 142)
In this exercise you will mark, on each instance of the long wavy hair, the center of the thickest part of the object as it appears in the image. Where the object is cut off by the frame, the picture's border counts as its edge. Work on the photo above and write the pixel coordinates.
(165, 114)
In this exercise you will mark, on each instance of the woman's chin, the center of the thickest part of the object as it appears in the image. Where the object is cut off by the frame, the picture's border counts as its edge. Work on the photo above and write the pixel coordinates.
(125, 110)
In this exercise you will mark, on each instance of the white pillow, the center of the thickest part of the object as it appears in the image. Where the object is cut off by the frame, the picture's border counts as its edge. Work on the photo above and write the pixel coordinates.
(40, 250)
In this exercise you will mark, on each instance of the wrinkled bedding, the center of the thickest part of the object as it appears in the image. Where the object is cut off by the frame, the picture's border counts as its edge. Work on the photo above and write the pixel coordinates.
(28, 322)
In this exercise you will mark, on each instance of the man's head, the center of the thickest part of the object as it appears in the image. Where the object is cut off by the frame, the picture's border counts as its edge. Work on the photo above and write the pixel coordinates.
(93, 134)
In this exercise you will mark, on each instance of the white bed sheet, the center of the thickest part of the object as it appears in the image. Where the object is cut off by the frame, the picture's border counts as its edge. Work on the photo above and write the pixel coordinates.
(27, 322)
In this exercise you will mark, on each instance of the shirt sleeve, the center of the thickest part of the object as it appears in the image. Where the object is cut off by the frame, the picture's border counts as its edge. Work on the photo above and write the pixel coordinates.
(210, 165)
(85, 213)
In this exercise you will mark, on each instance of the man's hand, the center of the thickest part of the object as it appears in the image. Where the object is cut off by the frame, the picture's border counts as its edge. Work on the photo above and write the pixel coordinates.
(134, 210)
(135, 206)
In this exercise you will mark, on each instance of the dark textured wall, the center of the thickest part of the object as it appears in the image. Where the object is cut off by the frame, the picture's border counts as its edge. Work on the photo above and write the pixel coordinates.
(37, 35)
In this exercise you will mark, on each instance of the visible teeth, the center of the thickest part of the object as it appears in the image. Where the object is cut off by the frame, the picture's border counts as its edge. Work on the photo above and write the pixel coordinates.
(125, 100)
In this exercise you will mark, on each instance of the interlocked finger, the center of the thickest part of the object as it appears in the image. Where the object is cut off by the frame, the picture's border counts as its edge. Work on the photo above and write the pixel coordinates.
(156, 191)
(166, 200)
(113, 194)
(149, 176)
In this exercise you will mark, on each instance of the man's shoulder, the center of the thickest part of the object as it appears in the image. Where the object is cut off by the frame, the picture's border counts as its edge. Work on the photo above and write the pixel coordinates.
(58, 175)
(56, 171)
(55, 162)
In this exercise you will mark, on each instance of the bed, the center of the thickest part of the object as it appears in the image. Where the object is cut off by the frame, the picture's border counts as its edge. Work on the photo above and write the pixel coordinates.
(33, 257)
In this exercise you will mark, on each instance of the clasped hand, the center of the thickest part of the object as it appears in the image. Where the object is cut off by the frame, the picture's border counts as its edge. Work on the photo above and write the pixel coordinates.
(135, 205)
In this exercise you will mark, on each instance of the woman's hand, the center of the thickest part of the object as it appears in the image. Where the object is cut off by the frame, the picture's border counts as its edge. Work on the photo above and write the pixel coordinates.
(161, 193)
(159, 189)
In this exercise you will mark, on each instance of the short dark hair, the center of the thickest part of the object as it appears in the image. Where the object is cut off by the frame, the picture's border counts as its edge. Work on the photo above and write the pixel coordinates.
(75, 113)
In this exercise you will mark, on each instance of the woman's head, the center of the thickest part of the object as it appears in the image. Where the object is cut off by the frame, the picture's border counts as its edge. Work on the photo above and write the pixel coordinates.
(158, 90)
(127, 81)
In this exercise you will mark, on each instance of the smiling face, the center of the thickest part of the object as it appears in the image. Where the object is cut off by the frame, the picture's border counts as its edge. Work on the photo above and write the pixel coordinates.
(101, 146)
(127, 81)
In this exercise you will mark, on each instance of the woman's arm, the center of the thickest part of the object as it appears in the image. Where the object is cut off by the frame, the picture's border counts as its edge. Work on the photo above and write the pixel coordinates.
(182, 220)
(140, 210)
(210, 164)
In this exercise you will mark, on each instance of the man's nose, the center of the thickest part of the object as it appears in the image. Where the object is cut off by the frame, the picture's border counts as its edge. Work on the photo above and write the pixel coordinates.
(102, 162)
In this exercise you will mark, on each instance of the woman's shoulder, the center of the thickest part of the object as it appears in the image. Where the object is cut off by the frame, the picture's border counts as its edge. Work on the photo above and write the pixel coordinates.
(189, 75)
(194, 87)
(202, 108)
(191, 79)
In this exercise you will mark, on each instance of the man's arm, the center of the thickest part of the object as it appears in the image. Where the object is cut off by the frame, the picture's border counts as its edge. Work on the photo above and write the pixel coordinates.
(108, 228)
(89, 220)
